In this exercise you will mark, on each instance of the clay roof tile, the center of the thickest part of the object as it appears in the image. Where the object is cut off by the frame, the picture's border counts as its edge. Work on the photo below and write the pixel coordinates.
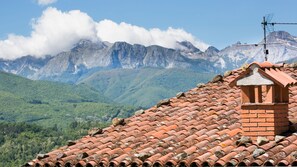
(199, 128)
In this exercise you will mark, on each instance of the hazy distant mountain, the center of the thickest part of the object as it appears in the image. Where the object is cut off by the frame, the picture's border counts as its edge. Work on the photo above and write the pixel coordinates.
(88, 57)
(25, 66)
(281, 45)
(123, 64)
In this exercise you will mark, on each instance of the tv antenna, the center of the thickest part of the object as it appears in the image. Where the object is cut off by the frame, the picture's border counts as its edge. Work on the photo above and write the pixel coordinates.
(268, 25)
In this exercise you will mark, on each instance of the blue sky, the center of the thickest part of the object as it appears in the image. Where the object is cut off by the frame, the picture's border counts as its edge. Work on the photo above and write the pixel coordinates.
(215, 22)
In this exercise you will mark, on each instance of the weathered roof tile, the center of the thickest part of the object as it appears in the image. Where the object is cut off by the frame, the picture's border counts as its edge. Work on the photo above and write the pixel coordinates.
(201, 127)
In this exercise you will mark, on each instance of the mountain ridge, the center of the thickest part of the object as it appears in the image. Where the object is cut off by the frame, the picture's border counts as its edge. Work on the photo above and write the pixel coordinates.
(88, 56)
(282, 47)
(87, 59)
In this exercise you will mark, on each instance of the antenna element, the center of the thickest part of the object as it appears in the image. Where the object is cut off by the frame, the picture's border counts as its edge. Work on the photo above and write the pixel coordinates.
(266, 24)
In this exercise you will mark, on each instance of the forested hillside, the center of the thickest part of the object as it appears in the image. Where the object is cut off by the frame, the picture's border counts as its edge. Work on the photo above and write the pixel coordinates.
(20, 142)
(145, 86)
(37, 116)
(47, 103)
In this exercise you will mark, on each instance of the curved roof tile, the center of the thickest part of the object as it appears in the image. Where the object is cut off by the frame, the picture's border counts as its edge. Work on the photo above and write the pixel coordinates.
(200, 128)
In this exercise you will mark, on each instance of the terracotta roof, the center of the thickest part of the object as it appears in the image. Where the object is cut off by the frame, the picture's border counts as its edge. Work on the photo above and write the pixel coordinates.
(201, 127)
(266, 64)
(280, 77)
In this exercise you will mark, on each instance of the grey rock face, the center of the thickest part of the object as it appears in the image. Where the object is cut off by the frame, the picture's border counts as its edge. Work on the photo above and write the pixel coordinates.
(87, 57)
(25, 66)
(282, 47)
(188, 47)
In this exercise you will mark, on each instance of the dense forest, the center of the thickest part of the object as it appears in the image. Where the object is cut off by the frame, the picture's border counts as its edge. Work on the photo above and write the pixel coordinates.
(21, 142)
(38, 116)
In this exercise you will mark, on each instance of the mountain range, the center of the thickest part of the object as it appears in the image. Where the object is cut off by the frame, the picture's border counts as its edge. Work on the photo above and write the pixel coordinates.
(88, 57)
(120, 70)
(282, 47)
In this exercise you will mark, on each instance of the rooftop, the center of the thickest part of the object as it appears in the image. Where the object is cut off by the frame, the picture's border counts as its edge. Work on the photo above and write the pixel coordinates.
(200, 127)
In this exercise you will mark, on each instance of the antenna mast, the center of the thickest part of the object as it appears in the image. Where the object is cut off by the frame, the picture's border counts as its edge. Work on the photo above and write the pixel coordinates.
(265, 40)
(265, 24)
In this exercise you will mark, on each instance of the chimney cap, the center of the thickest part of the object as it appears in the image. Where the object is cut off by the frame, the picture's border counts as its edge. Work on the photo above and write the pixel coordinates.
(263, 71)
(266, 64)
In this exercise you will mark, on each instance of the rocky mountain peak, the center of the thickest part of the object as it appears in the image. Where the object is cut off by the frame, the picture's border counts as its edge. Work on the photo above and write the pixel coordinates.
(212, 50)
(88, 44)
(279, 35)
(187, 46)
(88, 56)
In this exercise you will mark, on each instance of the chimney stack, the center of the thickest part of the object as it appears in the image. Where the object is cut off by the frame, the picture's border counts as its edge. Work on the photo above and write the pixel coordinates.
(264, 100)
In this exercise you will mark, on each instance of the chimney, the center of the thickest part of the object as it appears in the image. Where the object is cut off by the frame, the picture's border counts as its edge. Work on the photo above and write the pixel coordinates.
(264, 100)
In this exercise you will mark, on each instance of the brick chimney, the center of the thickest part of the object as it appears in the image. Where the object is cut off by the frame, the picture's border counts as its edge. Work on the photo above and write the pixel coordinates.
(264, 100)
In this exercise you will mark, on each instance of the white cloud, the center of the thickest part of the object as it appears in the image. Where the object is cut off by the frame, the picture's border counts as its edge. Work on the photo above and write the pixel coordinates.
(110, 31)
(52, 33)
(45, 2)
(56, 31)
